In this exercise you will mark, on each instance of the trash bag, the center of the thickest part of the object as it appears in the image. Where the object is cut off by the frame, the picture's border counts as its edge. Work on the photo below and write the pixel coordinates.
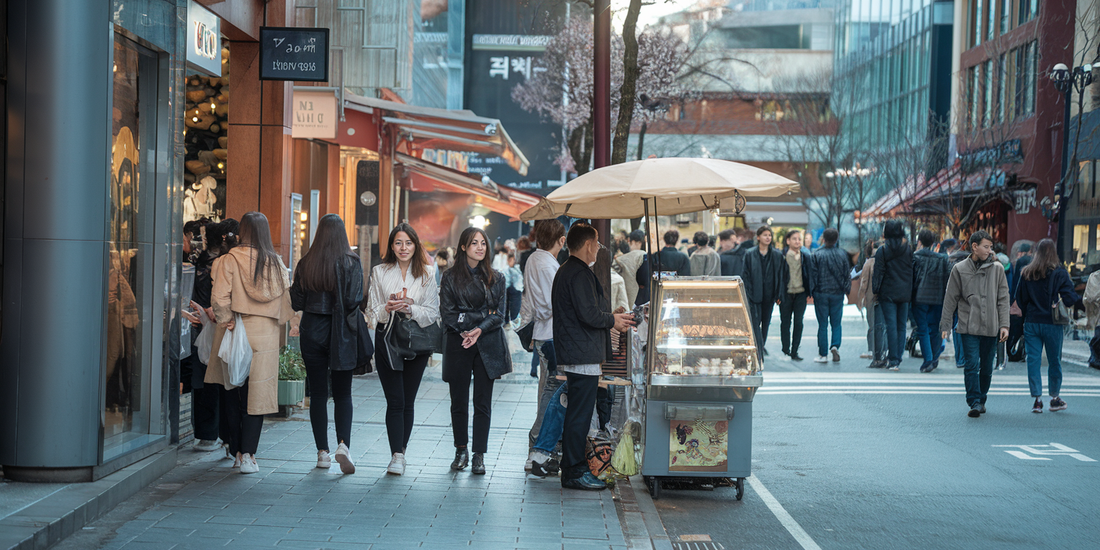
(623, 461)
(205, 340)
(236, 352)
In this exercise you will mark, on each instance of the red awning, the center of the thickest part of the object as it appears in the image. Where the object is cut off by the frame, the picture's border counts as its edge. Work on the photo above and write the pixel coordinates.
(426, 177)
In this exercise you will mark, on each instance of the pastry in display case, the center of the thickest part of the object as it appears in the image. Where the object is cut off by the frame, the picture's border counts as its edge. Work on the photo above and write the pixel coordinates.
(702, 329)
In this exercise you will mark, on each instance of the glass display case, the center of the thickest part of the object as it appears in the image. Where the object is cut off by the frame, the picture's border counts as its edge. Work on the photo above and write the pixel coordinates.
(702, 334)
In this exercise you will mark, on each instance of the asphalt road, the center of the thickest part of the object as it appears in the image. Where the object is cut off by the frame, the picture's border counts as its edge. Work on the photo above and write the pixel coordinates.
(847, 457)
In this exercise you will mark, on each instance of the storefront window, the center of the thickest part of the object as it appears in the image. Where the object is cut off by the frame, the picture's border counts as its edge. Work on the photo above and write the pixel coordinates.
(131, 409)
(1080, 246)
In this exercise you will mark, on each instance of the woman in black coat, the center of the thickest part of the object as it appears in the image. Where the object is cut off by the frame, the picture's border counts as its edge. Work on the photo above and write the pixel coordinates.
(472, 304)
(328, 286)
(763, 276)
(892, 283)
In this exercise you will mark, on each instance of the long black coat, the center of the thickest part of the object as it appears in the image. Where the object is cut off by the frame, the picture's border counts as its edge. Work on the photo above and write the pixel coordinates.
(757, 287)
(478, 307)
(339, 336)
(893, 276)
(582, 317)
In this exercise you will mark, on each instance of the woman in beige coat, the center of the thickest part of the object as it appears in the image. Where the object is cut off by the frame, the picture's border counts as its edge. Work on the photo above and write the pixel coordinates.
(252, 281)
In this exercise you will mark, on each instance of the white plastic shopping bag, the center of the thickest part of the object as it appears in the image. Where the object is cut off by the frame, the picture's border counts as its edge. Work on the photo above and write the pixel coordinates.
(236, 352)
(205, 341)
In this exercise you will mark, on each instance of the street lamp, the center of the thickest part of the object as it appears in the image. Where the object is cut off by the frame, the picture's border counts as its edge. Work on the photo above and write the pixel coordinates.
(1067, 81)
(858, 173)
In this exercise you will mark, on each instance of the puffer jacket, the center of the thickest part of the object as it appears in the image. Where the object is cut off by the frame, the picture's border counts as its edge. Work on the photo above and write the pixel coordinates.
(930, 273)
(477, 307)
(831, 270)
(979, 291)
(337, 334)
(893, 277)
(582, 321)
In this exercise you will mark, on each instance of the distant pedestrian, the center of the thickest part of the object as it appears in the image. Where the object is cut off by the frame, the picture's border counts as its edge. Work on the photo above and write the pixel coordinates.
(402, 285)
(956, 252)
(472, 302)
(704, 260)
(1042, 283)
(251, 281)
(737, 254)
(893, 284)
(538, 286)
(831, 282)
(205, 400)
(513, 283)
(977, 291)
(797, 286)
(442, 262)
(876, 323)
(727, 242)
(582, 323)
(763, 280)
(629, 265)
(930, 274)
(1021, 256)
(327, 288)
(1092, 311)
(672, 259)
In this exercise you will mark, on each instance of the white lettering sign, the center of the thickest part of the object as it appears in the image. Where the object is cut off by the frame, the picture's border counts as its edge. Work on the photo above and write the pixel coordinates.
(204, 48)
(1041, 452)
(1025, 200)
(314, 115)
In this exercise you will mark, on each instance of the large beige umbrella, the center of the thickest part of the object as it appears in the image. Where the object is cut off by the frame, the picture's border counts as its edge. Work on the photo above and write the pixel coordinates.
(666, 186)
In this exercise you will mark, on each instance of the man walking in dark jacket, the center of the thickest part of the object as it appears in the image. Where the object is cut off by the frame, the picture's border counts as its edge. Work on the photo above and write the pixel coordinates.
(893, 284)
(736, 256)
(930, 273)
(831, 282)
(582, 321)
(672, 259)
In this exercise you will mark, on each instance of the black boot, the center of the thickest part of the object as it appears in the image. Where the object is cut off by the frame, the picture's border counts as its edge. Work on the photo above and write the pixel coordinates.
(462, 457)
(479, 464)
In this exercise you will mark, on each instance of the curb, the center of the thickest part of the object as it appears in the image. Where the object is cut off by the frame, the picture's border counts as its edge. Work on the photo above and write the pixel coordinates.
(642, 527)
(48, 521)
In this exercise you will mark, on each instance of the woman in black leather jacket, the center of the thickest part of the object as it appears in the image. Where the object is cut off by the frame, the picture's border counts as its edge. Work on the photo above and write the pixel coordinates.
(328, 285)
(472, 305)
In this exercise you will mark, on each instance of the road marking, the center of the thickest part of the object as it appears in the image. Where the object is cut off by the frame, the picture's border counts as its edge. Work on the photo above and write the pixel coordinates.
(1042, 451)
(788, 383)
(781, 514)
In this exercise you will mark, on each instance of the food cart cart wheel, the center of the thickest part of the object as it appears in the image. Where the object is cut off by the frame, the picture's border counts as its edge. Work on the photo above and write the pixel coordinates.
(740, 487)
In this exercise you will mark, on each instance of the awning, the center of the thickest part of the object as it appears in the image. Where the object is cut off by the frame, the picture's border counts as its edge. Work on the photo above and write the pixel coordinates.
(427, 177)
(429, 128)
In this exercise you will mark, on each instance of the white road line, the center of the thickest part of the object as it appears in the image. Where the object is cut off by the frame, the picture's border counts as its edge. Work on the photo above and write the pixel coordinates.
(781, 514)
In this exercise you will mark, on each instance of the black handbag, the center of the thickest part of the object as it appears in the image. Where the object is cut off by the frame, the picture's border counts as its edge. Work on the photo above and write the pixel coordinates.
(526, 335)
(364, 349)
(405, 339)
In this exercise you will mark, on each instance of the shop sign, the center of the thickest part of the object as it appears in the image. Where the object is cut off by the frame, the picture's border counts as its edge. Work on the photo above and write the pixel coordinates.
(204, 42)
(294, 53)
(1025, 200)
(1006, 152)
(314, 115)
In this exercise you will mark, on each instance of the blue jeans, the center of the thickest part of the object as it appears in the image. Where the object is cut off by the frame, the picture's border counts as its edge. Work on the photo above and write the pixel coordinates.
(553, 420)
(828, 308)
(896, 314)
(928, 331)
(1037, 336)
(548, 383)
(960, 350)
(978, 372)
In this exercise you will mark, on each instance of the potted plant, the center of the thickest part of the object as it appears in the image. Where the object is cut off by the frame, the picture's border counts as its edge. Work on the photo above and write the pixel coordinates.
(292, 376)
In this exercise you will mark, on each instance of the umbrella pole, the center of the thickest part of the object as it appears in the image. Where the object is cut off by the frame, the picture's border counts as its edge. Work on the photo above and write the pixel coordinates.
(658, 244)
(648, 252)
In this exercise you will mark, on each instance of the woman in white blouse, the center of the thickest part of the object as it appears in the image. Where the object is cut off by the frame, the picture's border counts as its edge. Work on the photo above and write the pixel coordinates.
(404, 283)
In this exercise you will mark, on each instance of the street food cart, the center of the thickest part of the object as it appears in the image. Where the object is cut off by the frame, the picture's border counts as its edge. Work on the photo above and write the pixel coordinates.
(692, 362)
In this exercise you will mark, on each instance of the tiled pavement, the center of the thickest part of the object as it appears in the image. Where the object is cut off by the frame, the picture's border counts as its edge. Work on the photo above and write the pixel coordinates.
(203, 503)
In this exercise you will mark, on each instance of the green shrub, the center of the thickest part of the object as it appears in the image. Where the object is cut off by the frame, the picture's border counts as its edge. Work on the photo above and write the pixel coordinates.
(291, 364)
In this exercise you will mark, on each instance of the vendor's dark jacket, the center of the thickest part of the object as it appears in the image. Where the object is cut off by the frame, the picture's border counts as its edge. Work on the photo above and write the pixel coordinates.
(930, 273)
(893, 276)
(582, 321)
(484, 309)
(758, 289)
(733, 260)
(831, 271)
(339, 334)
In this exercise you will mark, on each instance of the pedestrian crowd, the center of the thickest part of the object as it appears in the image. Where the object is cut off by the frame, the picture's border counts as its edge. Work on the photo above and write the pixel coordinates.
(994, 308)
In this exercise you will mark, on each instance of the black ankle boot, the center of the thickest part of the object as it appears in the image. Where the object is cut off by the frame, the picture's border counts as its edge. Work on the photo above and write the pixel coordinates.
(462, 457)
(479, 464)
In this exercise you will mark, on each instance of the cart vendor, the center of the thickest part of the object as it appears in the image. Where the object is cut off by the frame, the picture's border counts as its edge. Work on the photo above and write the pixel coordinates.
(582, 319)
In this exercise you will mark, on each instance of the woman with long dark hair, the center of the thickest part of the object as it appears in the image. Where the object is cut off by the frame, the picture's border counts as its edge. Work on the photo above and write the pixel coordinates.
(403, 284)
(472, 304)
(327, 288)
(892, 283)
(1042, 283)
(763, 279)
(251, 281)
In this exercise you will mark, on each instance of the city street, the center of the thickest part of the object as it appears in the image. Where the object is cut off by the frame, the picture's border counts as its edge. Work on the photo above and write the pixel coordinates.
(848, 457)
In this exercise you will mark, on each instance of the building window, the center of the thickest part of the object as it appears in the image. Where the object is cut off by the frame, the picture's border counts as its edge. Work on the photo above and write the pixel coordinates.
(1025, 82)
(975, 101)
(987, 93)
(1006, 16)
(999, 89)
(991, 20)
(1086, 180)
(1029, 9)
(1080, 246)
(976, 24)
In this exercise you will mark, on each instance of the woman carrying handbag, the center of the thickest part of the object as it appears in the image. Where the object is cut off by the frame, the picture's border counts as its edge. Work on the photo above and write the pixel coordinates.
(328, 285)
(1044, 289)
(402, 290)
(472, 303)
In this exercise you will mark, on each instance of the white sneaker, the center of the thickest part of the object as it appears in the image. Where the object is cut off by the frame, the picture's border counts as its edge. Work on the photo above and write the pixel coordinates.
(344, 458)
(323, 460)
(527, 465)
(206, 445)
(397, 465)
(866, 355)
(248, 464)
(836, 353)
(821, 359)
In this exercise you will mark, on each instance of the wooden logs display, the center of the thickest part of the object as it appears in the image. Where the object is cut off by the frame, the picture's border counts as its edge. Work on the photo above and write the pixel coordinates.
(206, 117)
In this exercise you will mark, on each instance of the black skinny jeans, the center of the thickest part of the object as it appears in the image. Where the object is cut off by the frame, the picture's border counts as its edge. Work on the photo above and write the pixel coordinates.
(466, 363)
(400, 387)
(316, 356)
(793, 306)
(761, 317)
(243, 428)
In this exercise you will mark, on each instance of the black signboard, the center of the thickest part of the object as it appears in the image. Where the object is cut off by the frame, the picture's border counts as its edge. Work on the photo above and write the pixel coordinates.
(294, 53)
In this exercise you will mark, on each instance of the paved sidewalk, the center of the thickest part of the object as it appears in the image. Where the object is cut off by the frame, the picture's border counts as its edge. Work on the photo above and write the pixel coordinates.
(291, 504)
